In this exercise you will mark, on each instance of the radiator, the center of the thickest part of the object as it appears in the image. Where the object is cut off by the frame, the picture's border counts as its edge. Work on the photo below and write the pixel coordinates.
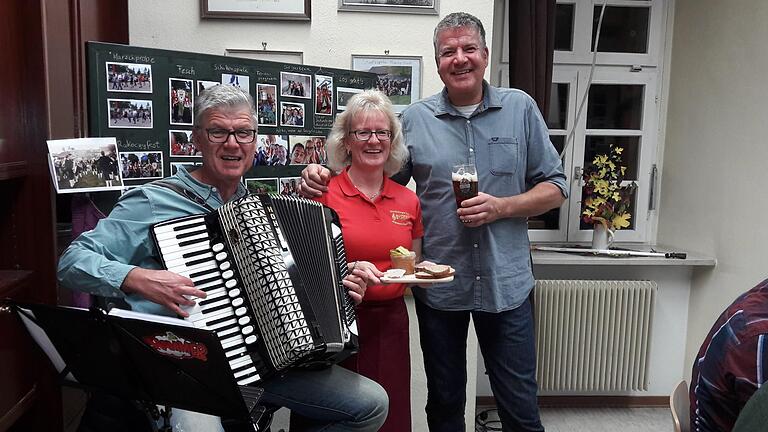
(593, 335)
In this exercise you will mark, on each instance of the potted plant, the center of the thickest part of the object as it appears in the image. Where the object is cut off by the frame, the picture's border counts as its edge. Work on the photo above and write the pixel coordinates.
(606, 197)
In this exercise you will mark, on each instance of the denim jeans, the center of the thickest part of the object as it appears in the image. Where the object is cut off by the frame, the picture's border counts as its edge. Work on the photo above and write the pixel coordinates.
(332, 399)
(506, 340)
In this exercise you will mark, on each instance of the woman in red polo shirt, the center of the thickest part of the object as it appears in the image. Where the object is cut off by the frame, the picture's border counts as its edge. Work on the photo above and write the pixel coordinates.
(365, 147)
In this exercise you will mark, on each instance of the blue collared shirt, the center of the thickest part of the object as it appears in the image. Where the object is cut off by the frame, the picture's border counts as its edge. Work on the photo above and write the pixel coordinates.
(98, 261)
(508, 139)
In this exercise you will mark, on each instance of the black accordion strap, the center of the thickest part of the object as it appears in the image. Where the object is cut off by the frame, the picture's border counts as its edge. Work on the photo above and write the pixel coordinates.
(186, 193)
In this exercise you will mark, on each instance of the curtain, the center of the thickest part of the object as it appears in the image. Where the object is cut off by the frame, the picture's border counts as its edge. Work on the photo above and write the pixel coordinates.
(531, 47)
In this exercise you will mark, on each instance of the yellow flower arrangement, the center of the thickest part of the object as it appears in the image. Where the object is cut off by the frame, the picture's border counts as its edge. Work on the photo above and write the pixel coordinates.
(605, 199)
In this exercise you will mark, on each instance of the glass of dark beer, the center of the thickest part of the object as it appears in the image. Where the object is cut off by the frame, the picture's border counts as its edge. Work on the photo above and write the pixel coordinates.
(464, 179)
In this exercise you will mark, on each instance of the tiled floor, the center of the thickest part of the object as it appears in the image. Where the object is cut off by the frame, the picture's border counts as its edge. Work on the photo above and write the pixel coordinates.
(602, 420)
(554, 419)
(573, 420)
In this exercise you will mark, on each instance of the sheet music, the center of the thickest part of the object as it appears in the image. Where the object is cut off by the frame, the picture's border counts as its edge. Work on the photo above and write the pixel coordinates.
(123, 313)
(45, 343)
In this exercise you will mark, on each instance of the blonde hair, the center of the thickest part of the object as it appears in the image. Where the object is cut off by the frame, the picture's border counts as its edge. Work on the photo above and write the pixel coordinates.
(366, 102)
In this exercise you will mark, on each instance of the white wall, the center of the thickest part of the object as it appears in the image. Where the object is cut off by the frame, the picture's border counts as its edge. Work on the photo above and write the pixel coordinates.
(329, 39)
(714, 197)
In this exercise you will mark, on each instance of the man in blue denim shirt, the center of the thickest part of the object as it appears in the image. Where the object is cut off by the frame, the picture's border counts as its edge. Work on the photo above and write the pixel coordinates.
(118, 259)
(486, 240)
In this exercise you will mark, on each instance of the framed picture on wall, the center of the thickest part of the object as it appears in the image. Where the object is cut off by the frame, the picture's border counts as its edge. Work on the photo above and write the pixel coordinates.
(294, 10)
(399, 76)
(342, 96)
(392, 6)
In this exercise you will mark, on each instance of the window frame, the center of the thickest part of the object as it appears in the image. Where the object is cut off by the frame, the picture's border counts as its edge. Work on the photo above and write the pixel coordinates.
(570, 77)
(648, 134)
(573, 68)
(582, 35)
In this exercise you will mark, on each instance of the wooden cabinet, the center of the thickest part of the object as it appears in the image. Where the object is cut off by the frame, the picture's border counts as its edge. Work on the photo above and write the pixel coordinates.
(27, 248)
(41, 88)
(20, 389)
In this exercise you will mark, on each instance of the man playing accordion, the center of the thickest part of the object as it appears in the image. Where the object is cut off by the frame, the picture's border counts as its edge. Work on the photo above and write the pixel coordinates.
(118, 259)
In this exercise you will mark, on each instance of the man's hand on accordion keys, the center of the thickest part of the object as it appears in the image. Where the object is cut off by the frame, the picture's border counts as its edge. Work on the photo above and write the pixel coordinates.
(361, 274)
(162, 287)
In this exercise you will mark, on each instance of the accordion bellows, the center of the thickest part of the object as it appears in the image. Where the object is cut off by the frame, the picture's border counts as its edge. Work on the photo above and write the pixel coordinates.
(272, 267)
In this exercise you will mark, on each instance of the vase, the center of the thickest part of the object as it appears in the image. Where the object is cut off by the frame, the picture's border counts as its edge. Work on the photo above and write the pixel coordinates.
(602, 237)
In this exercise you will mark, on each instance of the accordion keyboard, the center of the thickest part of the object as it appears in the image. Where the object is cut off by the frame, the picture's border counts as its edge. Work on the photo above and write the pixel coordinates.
(187, 251)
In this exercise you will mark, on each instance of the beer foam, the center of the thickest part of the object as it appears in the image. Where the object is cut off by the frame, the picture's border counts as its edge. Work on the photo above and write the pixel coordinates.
(463, 176)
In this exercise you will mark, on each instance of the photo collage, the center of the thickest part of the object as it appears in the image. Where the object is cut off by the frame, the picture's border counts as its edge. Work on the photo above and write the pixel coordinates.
(295, 107)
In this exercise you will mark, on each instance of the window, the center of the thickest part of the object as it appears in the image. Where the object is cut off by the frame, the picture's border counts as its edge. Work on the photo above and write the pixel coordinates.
(564, 25)
(553, 225)
(624, 29)
(621, 105)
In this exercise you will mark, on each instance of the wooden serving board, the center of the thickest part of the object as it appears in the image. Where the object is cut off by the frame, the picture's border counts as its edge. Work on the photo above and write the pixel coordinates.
(412, 279)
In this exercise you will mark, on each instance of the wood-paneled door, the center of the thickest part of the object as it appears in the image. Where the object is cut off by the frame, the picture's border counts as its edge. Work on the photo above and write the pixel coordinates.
(41, 82)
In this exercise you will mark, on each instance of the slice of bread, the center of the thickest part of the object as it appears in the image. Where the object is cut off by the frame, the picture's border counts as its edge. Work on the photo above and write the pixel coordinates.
(434, 271)
(424, 275)
(438, 270)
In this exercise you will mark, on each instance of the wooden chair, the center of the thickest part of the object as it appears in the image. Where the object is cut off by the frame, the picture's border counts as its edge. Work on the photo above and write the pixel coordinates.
(679, 404)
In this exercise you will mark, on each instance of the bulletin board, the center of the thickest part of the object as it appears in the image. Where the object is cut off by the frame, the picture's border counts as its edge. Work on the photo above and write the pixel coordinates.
(144, 97)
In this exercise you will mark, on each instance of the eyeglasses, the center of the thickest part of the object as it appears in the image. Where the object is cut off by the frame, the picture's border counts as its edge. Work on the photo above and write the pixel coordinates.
(220, 136)
(365, 135)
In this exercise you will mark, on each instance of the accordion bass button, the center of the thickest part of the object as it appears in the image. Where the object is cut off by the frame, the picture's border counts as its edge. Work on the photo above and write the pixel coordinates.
(221, 256)
(240, 311)
(244, 320)
(229, 274)
(234, 293)
(225, 266)
(237, 302)
(217, 247)
(247, 330)
(251, 339)
(230, 283)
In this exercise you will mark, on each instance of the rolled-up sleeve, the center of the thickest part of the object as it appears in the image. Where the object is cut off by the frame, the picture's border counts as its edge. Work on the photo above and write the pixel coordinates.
(98, 261)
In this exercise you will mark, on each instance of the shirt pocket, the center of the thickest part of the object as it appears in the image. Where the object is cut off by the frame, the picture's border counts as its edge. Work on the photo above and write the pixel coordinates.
(503, 153)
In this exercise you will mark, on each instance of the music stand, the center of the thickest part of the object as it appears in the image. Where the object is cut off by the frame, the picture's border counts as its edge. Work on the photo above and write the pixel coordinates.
(146, 361)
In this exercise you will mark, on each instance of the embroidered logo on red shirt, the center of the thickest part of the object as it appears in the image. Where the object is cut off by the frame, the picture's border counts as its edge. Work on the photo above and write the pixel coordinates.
(401, 218)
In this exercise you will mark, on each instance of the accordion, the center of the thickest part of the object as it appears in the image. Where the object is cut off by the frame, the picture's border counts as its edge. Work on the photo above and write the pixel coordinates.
(272, 268)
